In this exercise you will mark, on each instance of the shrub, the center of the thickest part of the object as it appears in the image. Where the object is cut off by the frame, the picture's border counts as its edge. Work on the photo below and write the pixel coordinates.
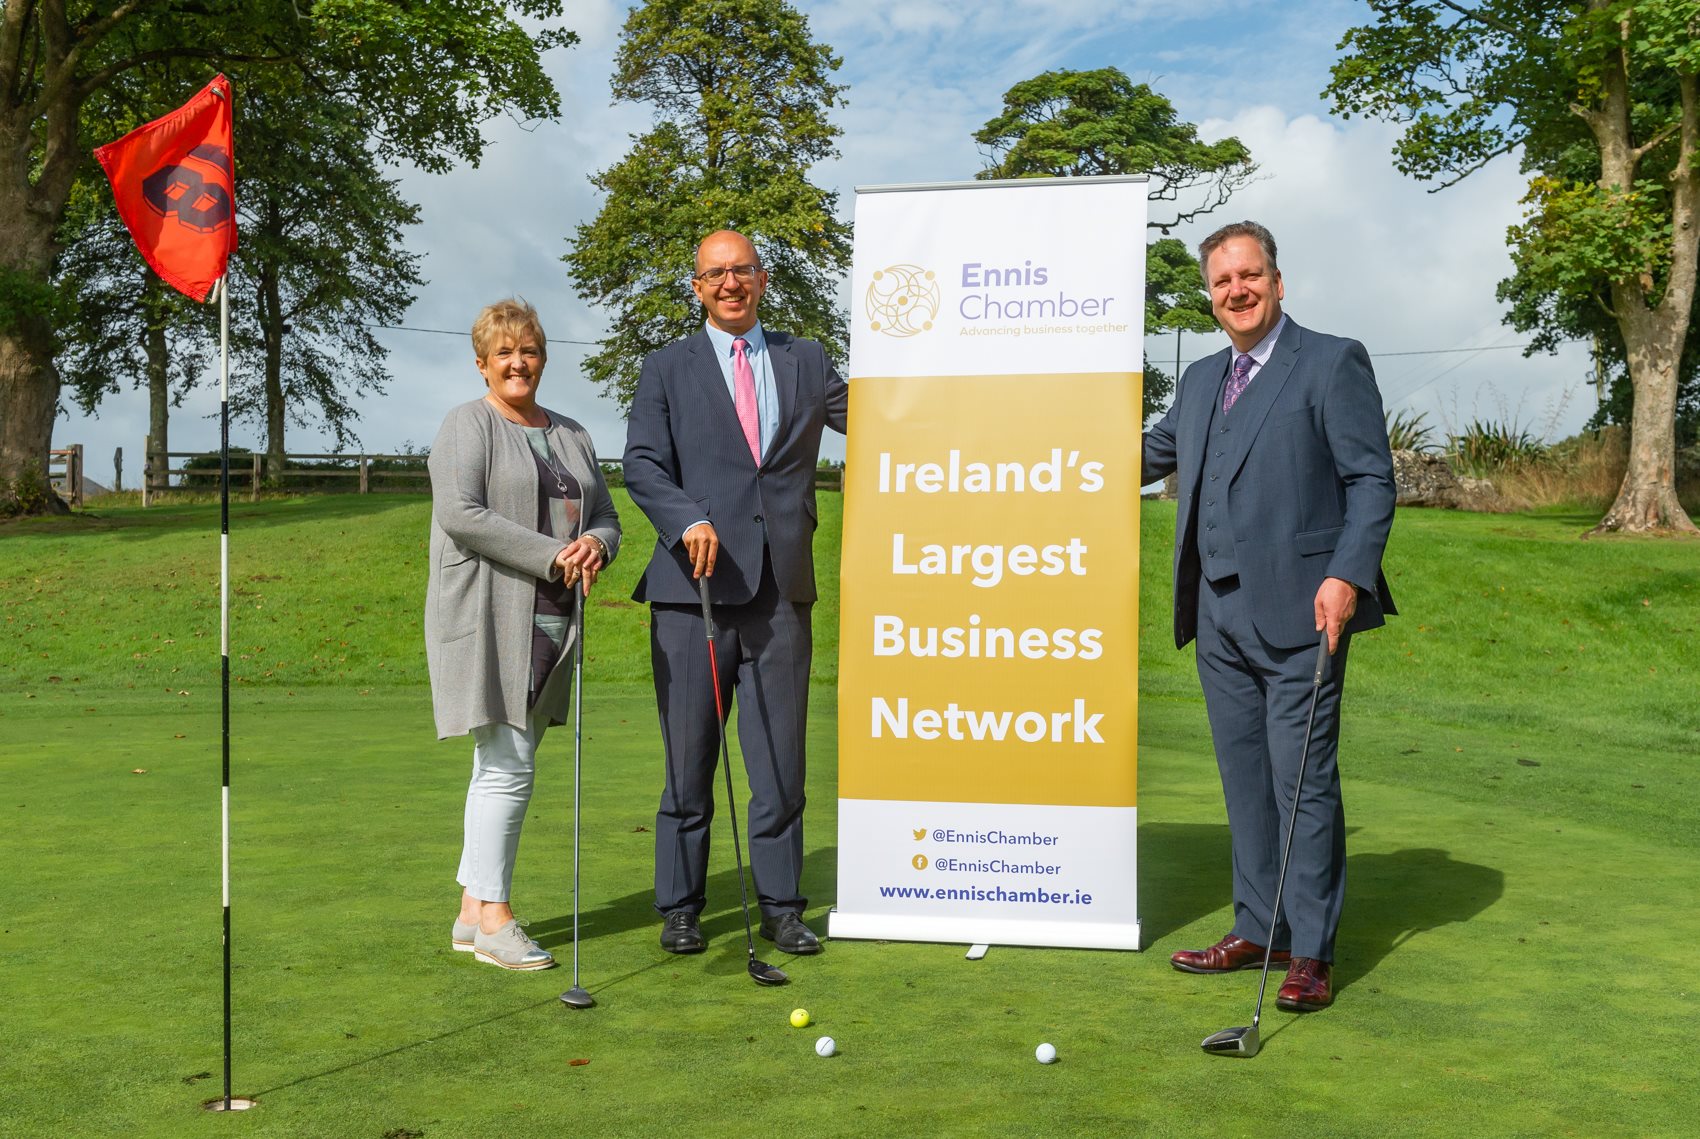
(1408, 432)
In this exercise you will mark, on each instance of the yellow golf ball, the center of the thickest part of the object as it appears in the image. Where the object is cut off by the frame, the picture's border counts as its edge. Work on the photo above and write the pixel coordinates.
(799, 1018)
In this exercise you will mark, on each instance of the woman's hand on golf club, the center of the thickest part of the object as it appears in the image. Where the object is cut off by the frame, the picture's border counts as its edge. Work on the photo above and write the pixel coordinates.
(580, 562)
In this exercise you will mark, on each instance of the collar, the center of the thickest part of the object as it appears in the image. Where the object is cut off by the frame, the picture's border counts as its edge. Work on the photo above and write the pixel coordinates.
(1260, 352)
(722, 340)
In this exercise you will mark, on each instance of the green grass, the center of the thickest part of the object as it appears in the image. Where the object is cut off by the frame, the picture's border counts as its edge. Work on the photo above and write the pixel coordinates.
(1518, 757)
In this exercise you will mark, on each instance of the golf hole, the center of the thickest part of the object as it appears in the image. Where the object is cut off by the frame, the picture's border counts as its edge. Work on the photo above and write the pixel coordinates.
(237, 1103)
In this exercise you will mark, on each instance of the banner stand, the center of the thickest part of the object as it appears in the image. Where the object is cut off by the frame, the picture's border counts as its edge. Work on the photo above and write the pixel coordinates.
(988, 647)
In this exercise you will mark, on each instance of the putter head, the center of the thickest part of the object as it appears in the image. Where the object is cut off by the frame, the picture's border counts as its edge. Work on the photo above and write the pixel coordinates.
(1241, 1042)
(765, 974)
(576, 997)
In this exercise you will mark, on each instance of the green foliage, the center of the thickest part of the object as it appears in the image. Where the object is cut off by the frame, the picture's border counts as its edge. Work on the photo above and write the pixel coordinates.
(1065, 124)
(24, 297)
(1486, 447)
(1409, 432)
(1072, 123)
(1600, 98)
(420, 78)
(323, 258)
(741, 96)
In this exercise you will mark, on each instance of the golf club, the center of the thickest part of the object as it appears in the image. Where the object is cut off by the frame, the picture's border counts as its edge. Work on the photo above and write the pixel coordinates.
(576, 997)
(1243, 1042)
(761, 972)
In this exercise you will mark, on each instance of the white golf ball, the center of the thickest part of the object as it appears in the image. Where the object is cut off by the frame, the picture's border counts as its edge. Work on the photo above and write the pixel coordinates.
(825, 1046)
(1045, 1053)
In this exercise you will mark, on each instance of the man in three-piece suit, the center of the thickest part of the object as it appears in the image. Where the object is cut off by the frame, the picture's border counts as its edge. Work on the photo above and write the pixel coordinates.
(721, 450)
(1285, 502)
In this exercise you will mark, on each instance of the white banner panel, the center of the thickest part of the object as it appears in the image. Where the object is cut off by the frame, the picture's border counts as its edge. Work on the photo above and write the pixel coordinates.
(989, 628)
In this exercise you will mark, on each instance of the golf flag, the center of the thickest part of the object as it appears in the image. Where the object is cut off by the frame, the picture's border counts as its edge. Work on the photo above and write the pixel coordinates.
(174, 182)
(988, 641)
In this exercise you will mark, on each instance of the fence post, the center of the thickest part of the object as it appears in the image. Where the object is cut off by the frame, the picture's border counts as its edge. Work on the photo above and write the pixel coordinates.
(254, 478)
(147, 471)
(365, 486)
(74, 474)
(118, 469)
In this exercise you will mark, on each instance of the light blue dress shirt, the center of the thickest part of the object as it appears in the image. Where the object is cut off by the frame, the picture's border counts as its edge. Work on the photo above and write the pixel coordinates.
(767, 394)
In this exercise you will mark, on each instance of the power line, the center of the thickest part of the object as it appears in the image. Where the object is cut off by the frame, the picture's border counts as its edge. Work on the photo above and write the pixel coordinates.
(463, 332)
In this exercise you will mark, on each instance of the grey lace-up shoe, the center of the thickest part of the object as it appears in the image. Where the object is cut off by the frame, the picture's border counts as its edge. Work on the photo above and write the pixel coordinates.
(510, 948)
(461, 938)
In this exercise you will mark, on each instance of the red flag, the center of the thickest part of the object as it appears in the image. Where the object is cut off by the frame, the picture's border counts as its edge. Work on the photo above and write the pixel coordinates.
(175, 186)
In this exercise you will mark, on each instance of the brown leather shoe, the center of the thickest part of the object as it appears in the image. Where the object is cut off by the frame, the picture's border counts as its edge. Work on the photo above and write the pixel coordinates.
(1225, 956)
(1309, 986)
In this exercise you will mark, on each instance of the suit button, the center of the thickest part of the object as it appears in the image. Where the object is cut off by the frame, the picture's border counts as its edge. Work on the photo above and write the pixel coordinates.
(1212, 502)
(1213, 478)
(758, 518)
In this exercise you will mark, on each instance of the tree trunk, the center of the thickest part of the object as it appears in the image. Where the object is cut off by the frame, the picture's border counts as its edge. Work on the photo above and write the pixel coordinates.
(1647, 502)
(271, 330)
(1654, 335)
(158, 372)
(29, 384)
(29, 398)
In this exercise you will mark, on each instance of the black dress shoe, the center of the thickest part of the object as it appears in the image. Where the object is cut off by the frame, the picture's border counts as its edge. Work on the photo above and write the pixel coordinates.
(788, 933)
(682, 933)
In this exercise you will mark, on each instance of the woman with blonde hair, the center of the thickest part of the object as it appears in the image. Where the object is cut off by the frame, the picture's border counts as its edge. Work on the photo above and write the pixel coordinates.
(521, 525)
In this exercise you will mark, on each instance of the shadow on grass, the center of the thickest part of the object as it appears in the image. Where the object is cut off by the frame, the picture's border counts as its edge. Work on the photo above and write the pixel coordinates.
(1184, 873)
(721, 919)
(1390, 898)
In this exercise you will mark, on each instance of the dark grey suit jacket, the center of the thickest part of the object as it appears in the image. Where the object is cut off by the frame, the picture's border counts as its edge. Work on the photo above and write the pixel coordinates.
(1311, 492)
(686, 460)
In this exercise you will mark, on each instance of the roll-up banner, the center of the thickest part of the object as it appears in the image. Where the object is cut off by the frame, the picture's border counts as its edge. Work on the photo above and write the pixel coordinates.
(988, 649)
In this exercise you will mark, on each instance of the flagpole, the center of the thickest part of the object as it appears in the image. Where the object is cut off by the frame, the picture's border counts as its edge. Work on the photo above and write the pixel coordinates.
(224, 632)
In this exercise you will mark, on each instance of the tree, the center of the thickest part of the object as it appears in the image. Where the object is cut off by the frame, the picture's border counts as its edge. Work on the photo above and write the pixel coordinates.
(425, 75)
(741, 96)
(123, 325)
(321, 260)
(1069, 124)
(1600, 98)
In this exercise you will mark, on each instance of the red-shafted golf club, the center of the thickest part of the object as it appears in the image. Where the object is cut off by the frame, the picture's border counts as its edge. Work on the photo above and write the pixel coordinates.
(1243, 1042)
(761, 972)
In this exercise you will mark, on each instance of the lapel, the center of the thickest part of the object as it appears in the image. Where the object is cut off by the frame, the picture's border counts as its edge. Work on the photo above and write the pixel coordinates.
(1253, 406)
(710, 384)
(785, 379)
(1197, 422)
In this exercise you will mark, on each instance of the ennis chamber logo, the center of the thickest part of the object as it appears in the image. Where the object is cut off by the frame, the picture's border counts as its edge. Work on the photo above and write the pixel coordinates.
(1005, 300)
(902, 300)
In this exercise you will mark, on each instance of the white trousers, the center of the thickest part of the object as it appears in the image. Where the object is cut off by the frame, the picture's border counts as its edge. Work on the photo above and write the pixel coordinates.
(504, 767)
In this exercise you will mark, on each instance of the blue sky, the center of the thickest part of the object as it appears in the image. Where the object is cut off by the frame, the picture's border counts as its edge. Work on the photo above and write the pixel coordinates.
(1365, 252)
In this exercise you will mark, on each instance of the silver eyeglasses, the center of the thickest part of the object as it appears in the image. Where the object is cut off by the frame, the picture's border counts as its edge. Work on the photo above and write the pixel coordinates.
(744, 273)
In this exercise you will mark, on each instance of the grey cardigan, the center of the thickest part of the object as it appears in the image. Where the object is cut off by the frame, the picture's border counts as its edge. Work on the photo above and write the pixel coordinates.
(486, 557)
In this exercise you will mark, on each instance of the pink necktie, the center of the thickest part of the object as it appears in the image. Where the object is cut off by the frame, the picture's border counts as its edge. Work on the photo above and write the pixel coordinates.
(744, 397)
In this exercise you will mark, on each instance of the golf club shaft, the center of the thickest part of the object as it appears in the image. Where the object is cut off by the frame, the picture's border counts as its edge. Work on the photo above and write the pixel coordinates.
(726, 761)
(1292, 824)
(578, 747)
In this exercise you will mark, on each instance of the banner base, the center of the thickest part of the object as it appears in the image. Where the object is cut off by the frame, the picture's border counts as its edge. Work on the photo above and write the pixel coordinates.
(976, 931)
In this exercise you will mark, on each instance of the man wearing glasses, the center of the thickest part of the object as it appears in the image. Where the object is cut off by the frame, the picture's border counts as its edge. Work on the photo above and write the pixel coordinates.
(721, 448)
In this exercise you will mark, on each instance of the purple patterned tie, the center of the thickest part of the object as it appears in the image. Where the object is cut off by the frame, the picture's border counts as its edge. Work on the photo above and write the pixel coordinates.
(1236, 382)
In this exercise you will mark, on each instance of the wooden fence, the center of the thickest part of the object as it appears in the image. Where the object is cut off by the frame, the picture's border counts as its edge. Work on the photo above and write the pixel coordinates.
(354, 474)
(65, 473)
